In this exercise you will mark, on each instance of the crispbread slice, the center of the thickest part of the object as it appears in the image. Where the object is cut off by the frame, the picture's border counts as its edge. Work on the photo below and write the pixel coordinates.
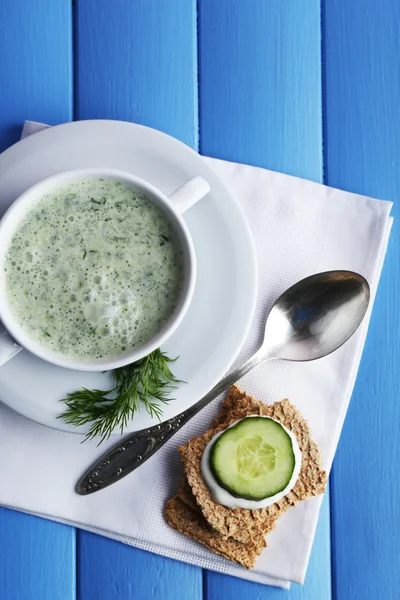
(185, 494)
(241, 524)
(192, 523)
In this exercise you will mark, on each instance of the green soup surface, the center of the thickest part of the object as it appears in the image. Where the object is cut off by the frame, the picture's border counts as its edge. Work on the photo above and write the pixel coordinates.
(94, 270)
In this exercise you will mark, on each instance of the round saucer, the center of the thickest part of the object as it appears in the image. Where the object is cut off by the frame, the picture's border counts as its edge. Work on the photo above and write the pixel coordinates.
(216, 324)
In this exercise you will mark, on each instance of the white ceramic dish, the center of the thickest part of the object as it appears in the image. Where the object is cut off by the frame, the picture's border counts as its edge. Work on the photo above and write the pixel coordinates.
(218, 319)
(173, 207)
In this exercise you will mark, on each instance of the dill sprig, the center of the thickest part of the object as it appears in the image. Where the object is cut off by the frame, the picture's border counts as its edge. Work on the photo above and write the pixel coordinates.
(147, 381)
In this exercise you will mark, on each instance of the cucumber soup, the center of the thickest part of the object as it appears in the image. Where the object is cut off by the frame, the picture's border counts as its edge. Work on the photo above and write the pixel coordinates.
(94, 269)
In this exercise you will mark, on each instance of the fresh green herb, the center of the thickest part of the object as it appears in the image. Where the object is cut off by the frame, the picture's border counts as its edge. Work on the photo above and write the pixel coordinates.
(84, 255)
(93, 251)
(95, 201)
(146, 382)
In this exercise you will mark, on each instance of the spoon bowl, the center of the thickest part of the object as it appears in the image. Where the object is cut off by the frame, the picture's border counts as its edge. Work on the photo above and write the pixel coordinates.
(316, 316)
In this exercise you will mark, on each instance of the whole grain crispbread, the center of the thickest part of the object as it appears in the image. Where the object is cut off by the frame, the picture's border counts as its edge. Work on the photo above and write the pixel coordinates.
(185, 494)
(246, 525)
(192, 523)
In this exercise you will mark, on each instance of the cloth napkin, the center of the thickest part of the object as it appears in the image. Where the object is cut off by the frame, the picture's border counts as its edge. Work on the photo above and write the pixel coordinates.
(300, 228)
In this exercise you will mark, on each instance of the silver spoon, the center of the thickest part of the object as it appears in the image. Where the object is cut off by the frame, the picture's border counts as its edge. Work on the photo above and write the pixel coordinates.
(310, 320)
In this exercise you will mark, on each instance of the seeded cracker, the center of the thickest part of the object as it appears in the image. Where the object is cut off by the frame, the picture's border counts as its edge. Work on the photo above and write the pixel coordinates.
(246, 525)
(185, 494)
(191, 522)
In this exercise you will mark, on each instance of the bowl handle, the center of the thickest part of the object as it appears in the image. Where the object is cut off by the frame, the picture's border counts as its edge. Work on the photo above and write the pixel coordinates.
(189, 193)
(8, 347)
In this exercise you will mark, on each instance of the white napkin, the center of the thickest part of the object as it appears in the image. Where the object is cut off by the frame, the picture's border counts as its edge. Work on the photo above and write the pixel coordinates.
(299, 228)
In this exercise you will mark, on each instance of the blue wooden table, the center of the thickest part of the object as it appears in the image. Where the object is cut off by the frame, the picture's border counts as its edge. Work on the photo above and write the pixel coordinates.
(307, 87)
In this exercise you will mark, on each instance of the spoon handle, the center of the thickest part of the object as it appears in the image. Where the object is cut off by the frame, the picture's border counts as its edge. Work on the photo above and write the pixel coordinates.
(135, 449)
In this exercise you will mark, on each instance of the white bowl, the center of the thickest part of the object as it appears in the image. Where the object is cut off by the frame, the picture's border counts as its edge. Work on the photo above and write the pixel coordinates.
(172, 206)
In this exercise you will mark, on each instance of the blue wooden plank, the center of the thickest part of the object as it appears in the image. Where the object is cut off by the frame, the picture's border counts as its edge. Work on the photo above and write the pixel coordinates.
(362, 146)
(109, 569)
(35, 74)
(317, 585)
(37, 558)
(260, 103)
(136, 61)
(260, 84)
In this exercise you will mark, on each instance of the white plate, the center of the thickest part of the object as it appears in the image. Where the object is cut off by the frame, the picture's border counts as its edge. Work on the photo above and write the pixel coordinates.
(217, 322)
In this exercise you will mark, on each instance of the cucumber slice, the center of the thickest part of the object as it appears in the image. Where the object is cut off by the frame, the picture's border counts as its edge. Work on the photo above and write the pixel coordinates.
(253, 459)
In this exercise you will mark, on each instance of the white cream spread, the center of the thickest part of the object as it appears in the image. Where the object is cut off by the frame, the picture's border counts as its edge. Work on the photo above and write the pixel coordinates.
(222, 496)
